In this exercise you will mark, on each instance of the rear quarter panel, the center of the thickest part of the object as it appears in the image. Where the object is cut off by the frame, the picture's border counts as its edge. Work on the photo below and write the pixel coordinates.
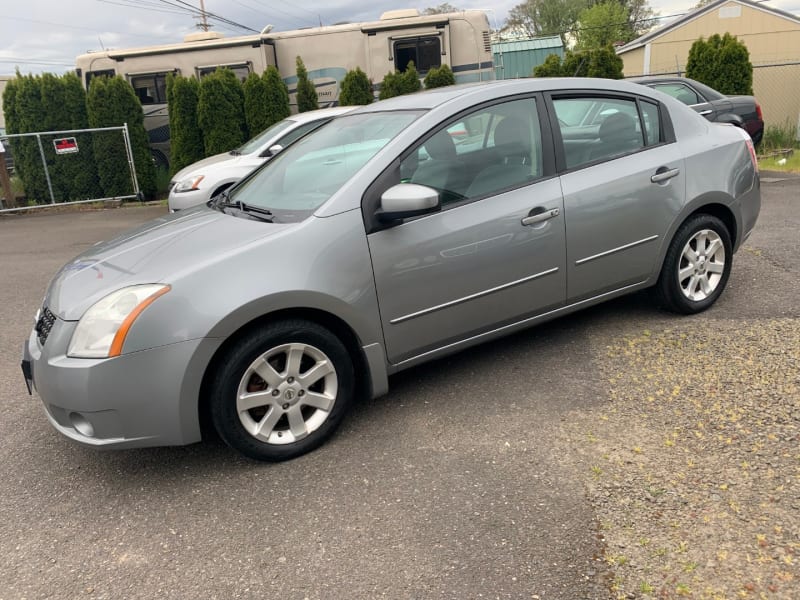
(719, 171)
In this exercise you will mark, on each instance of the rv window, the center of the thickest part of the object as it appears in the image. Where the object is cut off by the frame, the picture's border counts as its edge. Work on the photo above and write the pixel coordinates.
(241, 71)
(424, 51)
(150, 88)
(104, 73)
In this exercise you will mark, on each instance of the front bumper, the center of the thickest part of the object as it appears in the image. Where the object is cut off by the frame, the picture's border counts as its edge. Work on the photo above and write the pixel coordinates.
(130, 401)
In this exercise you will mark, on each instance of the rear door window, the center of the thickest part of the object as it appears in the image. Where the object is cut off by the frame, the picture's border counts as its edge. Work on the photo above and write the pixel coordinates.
(595, 128)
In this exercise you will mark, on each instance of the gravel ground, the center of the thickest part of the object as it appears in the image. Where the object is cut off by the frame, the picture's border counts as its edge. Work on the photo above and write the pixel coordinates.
(693, 467)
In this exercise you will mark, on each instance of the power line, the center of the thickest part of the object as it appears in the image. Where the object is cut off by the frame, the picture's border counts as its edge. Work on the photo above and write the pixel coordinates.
(62, 26)
(142, 7)
(24, 61)
(294, 18)
(210, 14)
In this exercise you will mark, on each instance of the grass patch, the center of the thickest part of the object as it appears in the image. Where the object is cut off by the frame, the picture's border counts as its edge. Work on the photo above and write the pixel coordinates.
(788, 163)
(778, 137)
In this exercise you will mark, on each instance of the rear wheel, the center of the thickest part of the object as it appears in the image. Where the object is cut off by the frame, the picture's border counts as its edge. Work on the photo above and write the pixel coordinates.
(697, 265)
(282, 390)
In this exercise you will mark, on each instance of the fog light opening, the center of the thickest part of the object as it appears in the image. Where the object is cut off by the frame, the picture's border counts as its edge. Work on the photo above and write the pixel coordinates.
(81, 425)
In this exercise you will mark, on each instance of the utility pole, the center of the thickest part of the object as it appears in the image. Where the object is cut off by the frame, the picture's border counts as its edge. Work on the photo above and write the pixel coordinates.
(203, 17)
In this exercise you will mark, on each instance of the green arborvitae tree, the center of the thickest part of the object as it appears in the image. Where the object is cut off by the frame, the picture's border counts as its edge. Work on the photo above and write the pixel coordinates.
(306, 92)
(84, 180)
(111, 102)
(9, 112)
(398, 84)
(391, 85)
(599, 62)
(356, 89)
(73, 176)
(255, 104)
(723, 63)
(186, 138)
(551, 67)
(55, 119)
(27, 118)
(277, 96)
(220, 111)
(604, 62)
(439, 77)
(409, 80)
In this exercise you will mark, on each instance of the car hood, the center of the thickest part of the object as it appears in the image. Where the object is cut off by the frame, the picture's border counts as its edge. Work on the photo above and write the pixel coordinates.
(200, 164)
(222, 166)
(153, 253)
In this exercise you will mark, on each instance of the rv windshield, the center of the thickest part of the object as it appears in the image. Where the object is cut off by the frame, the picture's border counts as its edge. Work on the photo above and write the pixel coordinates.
(301, 178)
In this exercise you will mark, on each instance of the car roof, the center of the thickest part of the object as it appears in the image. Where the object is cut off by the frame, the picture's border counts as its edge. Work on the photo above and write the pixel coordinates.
(655, 79)
(429, 99)
(313, 115)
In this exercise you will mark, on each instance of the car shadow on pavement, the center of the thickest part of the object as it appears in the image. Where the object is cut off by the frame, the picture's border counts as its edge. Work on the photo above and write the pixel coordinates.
(557, 348)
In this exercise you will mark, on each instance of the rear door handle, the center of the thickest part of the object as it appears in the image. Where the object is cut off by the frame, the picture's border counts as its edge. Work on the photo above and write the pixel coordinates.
(540, 217)
(705, 112)
(663, 174)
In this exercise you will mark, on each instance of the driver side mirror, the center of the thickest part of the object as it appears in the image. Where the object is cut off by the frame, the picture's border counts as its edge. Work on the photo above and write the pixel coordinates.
(406, 200)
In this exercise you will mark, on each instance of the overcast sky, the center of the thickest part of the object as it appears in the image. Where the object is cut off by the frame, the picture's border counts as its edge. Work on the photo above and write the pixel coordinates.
(47, 35)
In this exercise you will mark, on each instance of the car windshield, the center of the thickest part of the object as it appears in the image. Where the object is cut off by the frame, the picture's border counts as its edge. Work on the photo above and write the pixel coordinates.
(255, 144)
(302, 177)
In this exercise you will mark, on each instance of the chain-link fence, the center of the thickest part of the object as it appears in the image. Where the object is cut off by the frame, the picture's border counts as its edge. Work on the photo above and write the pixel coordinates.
(776, 86)
(68, 167)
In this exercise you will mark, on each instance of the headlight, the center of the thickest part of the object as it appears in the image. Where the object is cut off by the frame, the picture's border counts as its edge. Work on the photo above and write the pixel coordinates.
(188, 184)
(102, 329)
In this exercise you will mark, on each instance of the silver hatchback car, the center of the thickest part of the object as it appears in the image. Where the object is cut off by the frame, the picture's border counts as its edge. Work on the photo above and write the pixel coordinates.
(392, 235)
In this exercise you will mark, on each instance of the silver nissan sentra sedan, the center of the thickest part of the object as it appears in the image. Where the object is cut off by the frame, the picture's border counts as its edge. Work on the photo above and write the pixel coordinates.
(393, 235)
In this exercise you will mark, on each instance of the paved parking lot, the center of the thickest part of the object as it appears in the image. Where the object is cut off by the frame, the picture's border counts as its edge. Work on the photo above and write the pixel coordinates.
(455, 485)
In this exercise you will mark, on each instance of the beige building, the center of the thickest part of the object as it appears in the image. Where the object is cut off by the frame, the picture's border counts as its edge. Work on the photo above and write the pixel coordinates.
(772, 37)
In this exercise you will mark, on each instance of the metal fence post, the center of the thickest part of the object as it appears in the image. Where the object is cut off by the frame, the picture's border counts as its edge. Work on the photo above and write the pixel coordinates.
(131, 164)
(46, 171)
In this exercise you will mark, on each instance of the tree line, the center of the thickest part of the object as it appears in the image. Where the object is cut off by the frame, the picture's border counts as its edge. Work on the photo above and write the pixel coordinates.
(100, 167)
(218, 113)
(209, 116)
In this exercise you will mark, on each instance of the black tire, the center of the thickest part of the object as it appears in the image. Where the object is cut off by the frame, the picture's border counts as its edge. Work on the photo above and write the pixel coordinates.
(676, 294)
(266, 346)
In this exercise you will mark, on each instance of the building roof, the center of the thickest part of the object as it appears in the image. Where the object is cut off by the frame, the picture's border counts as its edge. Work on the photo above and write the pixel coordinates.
(694, 14)
(537, 43)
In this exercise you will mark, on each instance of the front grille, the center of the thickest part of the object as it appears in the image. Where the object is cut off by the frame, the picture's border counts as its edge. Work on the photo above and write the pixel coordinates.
(44, 325)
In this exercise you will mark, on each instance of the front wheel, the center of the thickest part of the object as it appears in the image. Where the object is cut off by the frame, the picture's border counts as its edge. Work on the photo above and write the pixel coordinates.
(282, 390)
(697, 265)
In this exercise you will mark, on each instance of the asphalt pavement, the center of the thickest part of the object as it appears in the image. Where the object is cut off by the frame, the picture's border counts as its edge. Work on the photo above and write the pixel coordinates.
(454, 485)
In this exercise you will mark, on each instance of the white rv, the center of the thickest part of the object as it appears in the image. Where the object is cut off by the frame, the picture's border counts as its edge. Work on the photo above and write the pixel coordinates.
(460, 40)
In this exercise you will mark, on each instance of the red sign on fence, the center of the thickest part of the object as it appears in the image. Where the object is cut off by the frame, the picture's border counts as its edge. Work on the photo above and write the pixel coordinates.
(66, 145)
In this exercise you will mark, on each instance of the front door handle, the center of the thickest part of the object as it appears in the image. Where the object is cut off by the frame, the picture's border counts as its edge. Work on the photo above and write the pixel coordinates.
(663, 174)
(705, 112)
(539, 217)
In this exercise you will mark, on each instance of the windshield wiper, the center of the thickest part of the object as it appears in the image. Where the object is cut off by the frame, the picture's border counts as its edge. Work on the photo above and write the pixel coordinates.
(248, 208)
(235, 153)
(223, 201)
